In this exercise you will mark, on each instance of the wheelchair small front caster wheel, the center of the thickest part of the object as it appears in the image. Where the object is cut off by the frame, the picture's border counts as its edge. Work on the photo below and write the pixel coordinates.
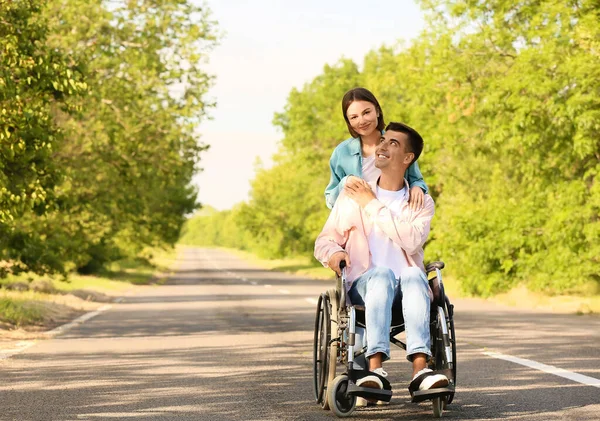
(438, 406)
(340, 403)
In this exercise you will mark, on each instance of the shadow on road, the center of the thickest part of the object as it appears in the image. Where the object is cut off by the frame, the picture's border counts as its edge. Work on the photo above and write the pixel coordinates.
(246, 383)
(207, 347)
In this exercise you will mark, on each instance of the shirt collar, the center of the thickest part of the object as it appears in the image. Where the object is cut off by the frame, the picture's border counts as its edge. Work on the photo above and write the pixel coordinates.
(355, 146)
(375, 185)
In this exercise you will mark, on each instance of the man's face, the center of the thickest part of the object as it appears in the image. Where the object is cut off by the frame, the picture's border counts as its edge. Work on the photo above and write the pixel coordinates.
(391, 154)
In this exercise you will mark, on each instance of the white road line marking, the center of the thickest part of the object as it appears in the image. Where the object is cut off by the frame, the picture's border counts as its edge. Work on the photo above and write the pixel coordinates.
(244, 279)
(268, 286)
(312, 300)
(79, 320)
(253, 283)
(23, 345)
(20, 347)
(576, 377)
(284, 291)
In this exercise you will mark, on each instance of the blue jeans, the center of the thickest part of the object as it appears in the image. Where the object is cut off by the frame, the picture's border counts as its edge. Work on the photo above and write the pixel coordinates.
(375, 290)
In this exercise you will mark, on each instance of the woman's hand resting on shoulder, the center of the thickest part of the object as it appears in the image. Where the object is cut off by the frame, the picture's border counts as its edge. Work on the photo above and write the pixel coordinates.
(416, 199)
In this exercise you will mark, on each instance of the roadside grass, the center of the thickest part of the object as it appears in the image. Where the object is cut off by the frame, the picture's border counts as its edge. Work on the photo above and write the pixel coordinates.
(30, 301)
(588, 302)
(20, 311)
(576, 304)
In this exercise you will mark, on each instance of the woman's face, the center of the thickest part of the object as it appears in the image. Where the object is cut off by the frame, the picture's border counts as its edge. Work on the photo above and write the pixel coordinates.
(362, 116)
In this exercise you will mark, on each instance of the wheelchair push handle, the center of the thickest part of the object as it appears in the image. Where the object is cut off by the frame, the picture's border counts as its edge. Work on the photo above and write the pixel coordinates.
(341, 282)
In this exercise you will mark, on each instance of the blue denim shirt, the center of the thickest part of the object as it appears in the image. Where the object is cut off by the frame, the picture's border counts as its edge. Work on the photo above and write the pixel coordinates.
(346, 160)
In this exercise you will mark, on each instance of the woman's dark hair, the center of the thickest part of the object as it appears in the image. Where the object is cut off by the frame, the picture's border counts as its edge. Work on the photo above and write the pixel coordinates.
(361, 94)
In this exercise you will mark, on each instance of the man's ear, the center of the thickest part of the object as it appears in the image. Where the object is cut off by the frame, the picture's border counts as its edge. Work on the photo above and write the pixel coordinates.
(408, 158)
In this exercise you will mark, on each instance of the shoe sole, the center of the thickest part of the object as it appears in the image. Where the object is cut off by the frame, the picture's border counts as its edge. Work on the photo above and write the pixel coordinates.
(370, 385)
(437, 384)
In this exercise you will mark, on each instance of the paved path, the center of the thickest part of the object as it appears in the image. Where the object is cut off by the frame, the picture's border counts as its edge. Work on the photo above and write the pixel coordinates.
(227, 341)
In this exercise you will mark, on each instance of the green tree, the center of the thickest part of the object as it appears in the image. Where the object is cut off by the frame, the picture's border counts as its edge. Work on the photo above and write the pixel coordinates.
(128, 154)
(506, 96)
(530, 212)
(34, 80)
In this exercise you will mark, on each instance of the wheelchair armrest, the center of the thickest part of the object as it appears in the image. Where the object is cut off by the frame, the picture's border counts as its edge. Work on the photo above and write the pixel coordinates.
(434, 265)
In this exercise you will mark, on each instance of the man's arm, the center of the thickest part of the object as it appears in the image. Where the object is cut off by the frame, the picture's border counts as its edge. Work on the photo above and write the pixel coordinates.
(333, 238)
(409, 229)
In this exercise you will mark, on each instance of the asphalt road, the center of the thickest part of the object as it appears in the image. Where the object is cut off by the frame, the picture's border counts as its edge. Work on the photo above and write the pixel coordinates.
(227, 341)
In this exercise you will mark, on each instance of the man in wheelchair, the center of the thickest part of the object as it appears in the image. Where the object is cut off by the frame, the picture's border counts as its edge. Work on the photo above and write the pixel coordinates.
(372, 228)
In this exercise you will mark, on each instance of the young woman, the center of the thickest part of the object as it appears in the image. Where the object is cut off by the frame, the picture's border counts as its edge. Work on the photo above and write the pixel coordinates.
(354, 158)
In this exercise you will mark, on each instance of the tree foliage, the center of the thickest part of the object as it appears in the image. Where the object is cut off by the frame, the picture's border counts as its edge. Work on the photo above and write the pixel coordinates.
(507, 97)
(33, 79)
(128, 145)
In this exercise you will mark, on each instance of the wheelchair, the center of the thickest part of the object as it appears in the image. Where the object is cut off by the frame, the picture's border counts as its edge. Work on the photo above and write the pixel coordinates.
(334, 348)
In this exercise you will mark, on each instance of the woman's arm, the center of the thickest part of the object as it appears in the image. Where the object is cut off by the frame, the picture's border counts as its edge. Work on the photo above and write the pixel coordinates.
(415, 178)
(335, 186)
(336, 180)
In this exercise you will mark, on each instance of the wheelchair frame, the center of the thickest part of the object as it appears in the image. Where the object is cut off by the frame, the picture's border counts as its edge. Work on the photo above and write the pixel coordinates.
(339, 393)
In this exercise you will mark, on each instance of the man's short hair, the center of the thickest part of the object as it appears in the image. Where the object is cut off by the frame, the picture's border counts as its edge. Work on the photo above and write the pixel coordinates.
(415, 141)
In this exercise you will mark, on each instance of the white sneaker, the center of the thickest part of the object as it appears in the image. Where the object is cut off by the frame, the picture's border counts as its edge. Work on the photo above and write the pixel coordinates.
(380, 371)
(430, 381)
(361, 402)
(371, 381)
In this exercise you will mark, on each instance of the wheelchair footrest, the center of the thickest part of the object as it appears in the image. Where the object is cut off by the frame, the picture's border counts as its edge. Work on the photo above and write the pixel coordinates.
(424, 395)
(369, 393)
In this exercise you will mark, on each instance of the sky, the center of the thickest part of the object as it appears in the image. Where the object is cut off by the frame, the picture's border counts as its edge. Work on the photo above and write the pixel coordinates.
(269, 47)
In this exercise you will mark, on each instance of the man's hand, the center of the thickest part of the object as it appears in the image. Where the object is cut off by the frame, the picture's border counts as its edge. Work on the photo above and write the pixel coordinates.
(416, 199)
(359, 191)
(353, 180)
(335, 259)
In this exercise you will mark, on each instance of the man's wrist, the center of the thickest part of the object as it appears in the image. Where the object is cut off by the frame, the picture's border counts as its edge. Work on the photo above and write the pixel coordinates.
(373, 206)
(365, 201)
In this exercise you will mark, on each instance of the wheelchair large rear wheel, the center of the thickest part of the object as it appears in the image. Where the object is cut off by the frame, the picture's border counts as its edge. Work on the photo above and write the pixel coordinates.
(441, 358)
(452, 341)
(321, 349)
(334, 342)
